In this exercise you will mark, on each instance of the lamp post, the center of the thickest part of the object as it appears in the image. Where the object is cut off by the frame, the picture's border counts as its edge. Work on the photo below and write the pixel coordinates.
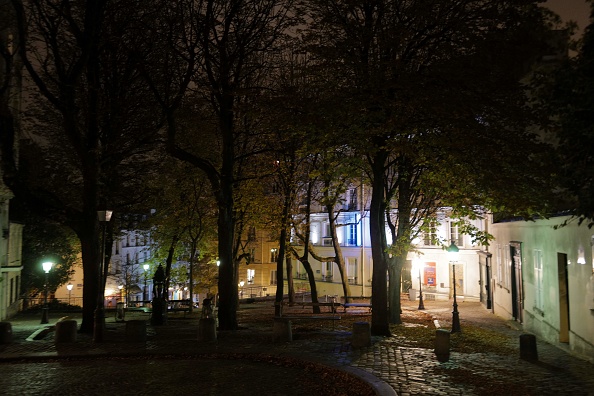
(99, 325)
(421, 305)
(69, 286)
(241, 283)
(453, 253)
(47, 266)
(120, 288)
(145, 294)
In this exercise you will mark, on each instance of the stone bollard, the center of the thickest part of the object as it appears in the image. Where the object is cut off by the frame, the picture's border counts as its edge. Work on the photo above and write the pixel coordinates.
(207, 330)
(528, 347)
(136, 331)
(65, 331)
(5, 333)
(120, 312)
(442, 345)
(361, 334)
(281, 330)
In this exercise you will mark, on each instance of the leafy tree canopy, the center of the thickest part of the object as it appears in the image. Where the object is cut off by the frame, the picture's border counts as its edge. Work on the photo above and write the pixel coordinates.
(571, 103)
(45, 240)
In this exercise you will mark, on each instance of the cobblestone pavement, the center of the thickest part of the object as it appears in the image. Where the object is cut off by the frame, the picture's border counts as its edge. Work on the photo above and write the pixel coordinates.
(43, 367)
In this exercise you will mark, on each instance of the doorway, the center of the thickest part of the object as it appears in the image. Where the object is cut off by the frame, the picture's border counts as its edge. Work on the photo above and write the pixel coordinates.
(485, 279)
(457, 269)
(516, 281)
(563, 298)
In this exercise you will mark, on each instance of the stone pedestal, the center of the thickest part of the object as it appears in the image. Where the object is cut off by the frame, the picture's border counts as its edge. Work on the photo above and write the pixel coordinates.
(361, 334)
(207, 330)
(442, 345)
(281, 330)
(136, 331)
(159, 316)
(65, 331)
(5, 333)
(120, 312)
(528, 347)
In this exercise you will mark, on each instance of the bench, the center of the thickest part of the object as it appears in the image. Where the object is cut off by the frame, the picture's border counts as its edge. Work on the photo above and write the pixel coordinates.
(333, 305)
(361, 305)
(178, 306)
(133, 306)
(357, 304)
(309, 316)
(139, 306)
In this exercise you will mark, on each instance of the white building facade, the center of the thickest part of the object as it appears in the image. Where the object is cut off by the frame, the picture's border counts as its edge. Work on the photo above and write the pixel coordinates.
(11, 232)
(543, 277)
(10, 259)
(127, 280)
(427, 264)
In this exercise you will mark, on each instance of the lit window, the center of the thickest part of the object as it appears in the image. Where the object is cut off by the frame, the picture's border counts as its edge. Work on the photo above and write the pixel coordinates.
(353, 199)
(430, 236)
(455, 235)
(352, 270)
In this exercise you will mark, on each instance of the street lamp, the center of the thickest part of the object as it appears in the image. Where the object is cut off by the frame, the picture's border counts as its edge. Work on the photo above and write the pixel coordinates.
(47, 266)
(421, 305)
(453, 254)
(99, 325)
(145, 294)
(69, 286)
(241, 283)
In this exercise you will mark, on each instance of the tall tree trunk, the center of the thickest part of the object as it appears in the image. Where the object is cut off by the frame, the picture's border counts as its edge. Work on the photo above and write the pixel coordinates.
(228, 289)
(338, 257)
(312, 286)
(396, 264)
(402, 238)
(91, 257)
(377, 223)
(290, 283)
(279, 269)
(191, 274)
(282, 248)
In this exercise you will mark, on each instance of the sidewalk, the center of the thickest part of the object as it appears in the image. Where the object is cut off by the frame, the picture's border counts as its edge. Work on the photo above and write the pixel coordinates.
(407, 370)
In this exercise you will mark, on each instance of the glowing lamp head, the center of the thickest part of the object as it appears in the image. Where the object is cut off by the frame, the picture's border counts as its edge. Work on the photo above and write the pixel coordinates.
(47, 266)
(453, 252)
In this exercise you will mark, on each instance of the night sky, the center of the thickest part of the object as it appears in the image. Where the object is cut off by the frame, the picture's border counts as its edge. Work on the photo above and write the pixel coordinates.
(575, 10)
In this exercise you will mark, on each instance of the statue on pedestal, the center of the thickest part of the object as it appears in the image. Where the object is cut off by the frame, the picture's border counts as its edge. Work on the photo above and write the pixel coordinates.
(159, 316)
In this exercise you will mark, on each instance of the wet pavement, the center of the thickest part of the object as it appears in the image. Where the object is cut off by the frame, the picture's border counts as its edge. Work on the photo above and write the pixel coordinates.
(173, 361)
